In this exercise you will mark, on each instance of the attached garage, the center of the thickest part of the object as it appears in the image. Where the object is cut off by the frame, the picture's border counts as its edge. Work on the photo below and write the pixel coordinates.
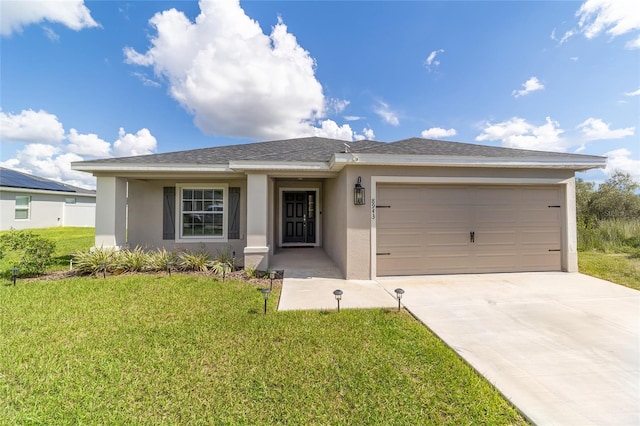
(455, 229)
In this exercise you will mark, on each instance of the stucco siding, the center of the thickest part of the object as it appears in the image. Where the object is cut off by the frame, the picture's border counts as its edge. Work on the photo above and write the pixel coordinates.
(334, 219)
(46, 210)
(145, 215)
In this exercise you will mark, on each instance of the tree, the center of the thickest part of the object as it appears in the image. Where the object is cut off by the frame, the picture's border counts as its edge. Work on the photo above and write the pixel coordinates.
(616, 198)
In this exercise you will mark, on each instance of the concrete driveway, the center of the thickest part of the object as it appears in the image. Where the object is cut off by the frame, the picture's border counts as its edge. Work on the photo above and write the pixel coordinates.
(563, 347)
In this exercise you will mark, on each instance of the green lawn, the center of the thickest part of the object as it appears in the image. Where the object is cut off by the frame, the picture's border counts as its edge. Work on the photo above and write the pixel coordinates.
(620, 268)
(186, 349)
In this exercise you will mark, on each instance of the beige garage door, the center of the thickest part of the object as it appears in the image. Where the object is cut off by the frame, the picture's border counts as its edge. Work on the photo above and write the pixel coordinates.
(443, 229)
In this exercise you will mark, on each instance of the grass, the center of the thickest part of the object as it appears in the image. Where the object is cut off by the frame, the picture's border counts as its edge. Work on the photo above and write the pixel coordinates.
(186, 349)
(610, 250)
(619, 268)
(68, 240)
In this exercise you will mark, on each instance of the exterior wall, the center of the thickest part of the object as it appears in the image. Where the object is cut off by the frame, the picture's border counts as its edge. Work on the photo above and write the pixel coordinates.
(145, 214)
(335, 197)
(360, 244)
(46, 210)
(111, 212)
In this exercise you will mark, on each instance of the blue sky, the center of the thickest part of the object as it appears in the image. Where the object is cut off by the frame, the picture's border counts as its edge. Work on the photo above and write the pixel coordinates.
(85, 80)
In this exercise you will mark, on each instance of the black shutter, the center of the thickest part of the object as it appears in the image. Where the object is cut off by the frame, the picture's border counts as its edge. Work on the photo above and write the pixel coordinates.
(234, 214)
(169, 213)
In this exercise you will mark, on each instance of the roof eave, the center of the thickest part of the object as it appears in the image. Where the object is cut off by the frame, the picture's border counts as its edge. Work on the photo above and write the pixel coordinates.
(341, 160)
(113, 167)
(302, 166)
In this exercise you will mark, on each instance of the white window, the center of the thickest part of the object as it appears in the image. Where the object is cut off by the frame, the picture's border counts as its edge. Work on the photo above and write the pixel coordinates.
(70, 200)
(22, 207)
(202, 212)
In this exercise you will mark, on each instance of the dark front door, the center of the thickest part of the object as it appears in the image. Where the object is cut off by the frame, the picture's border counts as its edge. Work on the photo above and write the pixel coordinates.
(299, 217)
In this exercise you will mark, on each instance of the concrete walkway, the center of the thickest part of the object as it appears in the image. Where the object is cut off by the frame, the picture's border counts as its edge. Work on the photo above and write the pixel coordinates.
(563, 347)
(311, 277)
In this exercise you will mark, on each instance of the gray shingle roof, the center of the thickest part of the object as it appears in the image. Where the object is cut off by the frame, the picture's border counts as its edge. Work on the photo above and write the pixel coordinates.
(14, 179)
(317, 149)
(302, 149)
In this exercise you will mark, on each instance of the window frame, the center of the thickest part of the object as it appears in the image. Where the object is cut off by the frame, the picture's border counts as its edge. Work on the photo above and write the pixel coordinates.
(179, 237)
(21, 207)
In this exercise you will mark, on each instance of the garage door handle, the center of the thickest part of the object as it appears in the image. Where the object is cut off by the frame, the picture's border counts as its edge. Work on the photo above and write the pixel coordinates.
(472, 237)
(383, 254)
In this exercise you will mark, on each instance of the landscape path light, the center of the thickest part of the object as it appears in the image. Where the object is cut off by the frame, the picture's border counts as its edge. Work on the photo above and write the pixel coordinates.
(265, 293)
(338, 295)
(104, 269)
(272, 275)
(169, 265)
(399, 293)
(14, 274)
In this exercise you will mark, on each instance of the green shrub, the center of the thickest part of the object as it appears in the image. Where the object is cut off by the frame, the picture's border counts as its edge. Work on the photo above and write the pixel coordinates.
(194, 261)
(227, 257)
(32, 252)
(136, 260)
(94, 261)
(161, 259)
(251, 271)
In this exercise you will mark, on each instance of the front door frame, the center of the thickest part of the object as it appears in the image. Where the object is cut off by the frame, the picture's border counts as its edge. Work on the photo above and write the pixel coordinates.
(318, 222)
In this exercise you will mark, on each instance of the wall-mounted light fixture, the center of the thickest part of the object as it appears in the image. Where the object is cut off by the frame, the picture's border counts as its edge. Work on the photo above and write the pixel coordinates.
(359, 193)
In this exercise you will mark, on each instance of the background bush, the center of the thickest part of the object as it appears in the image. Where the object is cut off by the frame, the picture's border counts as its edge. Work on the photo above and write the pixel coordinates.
(30, 252)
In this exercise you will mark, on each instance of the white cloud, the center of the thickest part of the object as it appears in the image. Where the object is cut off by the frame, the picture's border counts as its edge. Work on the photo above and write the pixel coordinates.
(596, 129)
(438, 133)
(517, 133)
(51, 35)
(89, 145)
(385, 112)
(48, 152)
(368, 133)
(352, 117)
(531, 85)
(18, 14)
(614, 17)
(431, 62)
(145, 80)
(234, 79)
(128, 144)
(620, 159)
(636, 93)
(31, 126)
(49, 162)
(337, 105)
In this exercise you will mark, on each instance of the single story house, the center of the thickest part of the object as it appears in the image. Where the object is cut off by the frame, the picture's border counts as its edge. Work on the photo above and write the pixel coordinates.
(28, 201)
(410, 207)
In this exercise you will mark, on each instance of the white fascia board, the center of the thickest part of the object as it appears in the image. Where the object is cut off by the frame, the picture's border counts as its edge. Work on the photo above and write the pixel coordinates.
(44, 191)
(278, 165)
(113, 167)
(340, 160)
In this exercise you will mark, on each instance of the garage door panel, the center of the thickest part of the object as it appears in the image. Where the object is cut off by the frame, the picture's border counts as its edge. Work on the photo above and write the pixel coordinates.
(427, 229)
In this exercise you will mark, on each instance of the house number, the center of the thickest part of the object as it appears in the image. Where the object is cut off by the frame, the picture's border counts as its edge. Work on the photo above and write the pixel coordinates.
(373, 208)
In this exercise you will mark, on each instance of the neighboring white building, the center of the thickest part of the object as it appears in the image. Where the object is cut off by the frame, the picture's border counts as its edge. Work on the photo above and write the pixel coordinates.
(28, 201)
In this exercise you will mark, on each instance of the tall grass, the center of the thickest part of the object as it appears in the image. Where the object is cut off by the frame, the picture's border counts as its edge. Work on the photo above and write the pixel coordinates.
(610, 236)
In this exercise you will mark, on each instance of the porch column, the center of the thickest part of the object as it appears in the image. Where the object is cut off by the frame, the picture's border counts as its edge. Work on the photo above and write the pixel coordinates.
(257, 251)
(111, 212)
(569, 260)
